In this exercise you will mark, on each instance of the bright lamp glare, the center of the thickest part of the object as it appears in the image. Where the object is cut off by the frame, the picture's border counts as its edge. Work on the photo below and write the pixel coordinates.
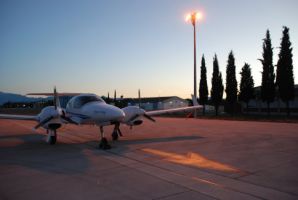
(187, 18)
(199, 15)
(193, 17)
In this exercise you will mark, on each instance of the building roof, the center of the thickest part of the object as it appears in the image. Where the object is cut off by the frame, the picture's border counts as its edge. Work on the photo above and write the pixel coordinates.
(150, 99)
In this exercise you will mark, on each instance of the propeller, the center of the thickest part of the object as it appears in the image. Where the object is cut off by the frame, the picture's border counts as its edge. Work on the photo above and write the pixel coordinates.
(133, 118)
(144, 115)
(57, 114)
(149, 117)
(189, 115)
(69, 120)
(43, 122)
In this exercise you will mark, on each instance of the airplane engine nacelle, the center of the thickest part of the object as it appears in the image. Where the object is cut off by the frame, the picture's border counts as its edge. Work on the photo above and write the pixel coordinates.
(50, 112)
(136, 122)
(133, 115)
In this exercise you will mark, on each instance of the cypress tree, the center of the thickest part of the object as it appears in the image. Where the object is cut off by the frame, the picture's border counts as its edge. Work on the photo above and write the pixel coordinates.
(108, 98)
(268, 76)
(231, 84)
(217, 86)
(284, 70)
(115, 96)
(246, 85)
(203, 90)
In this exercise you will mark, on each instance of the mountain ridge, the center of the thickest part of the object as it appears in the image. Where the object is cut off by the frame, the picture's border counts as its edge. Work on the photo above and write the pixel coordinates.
(15, 98)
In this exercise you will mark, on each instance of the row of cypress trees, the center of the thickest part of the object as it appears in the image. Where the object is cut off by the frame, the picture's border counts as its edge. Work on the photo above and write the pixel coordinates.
(282, 86)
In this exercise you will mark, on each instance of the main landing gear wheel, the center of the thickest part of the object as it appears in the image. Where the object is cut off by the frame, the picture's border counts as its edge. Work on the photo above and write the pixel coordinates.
(104, 144)
(53, 140)
(52, 137)
(116, 132)
(103, 141)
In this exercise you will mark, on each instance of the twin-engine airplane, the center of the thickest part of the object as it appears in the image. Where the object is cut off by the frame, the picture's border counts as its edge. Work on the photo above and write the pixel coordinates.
(90, 109)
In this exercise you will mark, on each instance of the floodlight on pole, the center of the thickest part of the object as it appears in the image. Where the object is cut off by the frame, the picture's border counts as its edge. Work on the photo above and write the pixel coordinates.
(193, 18)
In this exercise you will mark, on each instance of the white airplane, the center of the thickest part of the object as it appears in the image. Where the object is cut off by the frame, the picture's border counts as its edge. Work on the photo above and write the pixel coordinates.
(90, 109)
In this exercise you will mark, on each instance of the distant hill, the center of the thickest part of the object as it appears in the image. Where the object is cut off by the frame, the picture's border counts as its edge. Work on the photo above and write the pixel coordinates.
(5, 97)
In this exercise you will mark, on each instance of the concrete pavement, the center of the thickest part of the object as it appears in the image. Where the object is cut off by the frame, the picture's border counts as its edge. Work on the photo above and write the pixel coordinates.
(170, 159)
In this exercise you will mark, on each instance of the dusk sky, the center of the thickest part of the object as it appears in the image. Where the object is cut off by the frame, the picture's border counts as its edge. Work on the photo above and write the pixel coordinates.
(99, 46)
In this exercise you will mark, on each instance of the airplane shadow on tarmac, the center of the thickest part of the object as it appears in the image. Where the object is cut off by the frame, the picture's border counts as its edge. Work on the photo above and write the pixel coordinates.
(31, 151)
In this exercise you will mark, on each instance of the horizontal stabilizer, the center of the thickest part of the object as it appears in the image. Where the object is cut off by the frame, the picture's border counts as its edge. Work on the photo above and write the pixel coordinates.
(52, 94)
(19, 117)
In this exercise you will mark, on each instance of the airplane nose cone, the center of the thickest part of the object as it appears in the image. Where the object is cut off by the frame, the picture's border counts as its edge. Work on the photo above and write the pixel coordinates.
(117, 114)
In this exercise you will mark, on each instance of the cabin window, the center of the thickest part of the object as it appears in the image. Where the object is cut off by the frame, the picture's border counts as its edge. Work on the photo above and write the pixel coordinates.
(80, 101)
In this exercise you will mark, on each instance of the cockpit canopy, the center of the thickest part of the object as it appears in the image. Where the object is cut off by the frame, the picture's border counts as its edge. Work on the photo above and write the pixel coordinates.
(81, 100)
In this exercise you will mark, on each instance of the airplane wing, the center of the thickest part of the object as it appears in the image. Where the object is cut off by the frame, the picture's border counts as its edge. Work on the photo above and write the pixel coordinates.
(137, 112)
(173, 110)
(167, 111)
(19, 117)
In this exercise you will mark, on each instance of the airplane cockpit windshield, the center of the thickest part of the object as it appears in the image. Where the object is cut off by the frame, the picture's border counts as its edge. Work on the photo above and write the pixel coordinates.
(79, 101)
(88, 99)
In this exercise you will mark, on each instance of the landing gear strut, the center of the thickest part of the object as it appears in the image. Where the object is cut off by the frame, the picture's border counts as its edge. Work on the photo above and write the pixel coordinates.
(103, 141)
(52, 136)
(116, 132)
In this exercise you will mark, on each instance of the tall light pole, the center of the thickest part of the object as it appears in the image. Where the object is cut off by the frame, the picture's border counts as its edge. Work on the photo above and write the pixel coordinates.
(193, 17)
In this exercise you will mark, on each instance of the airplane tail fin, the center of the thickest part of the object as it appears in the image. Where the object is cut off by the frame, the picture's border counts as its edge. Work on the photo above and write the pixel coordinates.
(56, 99)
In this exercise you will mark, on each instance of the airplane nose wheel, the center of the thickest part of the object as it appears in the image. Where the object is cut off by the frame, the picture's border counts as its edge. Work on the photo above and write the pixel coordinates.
(115, 135)
(51, 137)
(103, 142)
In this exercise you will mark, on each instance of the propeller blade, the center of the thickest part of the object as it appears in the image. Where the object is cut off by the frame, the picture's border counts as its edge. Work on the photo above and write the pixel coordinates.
(43, 122)
(189, 115)
(69, 120)
(149, 117)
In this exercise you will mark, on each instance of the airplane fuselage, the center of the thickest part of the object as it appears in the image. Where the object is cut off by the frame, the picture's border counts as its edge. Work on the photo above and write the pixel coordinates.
(92, 109)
